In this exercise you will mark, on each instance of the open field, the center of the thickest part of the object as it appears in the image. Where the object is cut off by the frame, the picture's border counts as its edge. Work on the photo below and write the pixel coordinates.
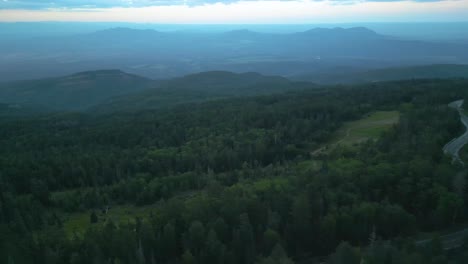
(369, 127)
(79, 222)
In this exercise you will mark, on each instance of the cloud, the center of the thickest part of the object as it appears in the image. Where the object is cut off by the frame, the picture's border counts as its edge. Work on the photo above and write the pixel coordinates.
(251, 12)
(69, 4)
(45, 4)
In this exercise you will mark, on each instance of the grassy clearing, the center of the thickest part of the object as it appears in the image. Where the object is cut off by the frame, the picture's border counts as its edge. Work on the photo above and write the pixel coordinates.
(79, 222)
(355, 132)
(369, 127)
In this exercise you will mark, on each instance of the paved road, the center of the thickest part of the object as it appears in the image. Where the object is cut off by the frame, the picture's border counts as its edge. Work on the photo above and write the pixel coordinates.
(453, 147)
(455, 239)
(450, 241)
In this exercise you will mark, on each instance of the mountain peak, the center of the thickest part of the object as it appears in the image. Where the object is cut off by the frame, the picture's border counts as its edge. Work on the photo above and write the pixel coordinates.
(340, 32)
(362, 30)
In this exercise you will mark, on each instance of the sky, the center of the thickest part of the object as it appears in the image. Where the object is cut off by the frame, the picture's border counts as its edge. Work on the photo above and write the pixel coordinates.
(233, 11)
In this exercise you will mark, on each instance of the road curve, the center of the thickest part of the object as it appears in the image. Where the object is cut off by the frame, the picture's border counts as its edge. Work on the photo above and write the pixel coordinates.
(455, 239)
(453, 147)
(449, 241)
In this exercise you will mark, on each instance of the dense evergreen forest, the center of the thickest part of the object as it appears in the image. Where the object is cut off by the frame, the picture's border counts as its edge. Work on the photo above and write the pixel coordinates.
(237, 181)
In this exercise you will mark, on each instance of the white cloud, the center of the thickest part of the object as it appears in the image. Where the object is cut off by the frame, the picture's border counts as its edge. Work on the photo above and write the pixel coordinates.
(301, 11)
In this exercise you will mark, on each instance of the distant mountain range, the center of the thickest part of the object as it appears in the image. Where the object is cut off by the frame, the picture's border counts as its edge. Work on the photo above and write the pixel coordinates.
(162, 55)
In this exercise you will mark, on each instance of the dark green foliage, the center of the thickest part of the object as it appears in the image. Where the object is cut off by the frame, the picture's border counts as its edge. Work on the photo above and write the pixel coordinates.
(224, 181)
(278, 256)
(345, 254)
(93, 218)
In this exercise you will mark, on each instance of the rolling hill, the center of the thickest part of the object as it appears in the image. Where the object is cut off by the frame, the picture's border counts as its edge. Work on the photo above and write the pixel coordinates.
(114, 90)
(73, 92)
(201, 87)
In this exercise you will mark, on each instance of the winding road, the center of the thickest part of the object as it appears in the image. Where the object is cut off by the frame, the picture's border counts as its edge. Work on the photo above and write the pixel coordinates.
(450, 241)
(453, 147)
(455, 239)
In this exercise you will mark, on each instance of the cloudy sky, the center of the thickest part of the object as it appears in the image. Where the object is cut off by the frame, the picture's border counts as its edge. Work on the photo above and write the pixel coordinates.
(234, 11)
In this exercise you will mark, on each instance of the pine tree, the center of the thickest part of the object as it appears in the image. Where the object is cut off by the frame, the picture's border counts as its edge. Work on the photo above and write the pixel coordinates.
(214, 250)
(245, 240)
(187, 258)
(93, 218)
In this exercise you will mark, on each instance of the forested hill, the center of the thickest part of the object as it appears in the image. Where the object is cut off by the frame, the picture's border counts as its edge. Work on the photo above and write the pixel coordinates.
(77, 91)
(12, 111)
(201, 87)
(114, 90)
(108, 91)
(238, 180)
